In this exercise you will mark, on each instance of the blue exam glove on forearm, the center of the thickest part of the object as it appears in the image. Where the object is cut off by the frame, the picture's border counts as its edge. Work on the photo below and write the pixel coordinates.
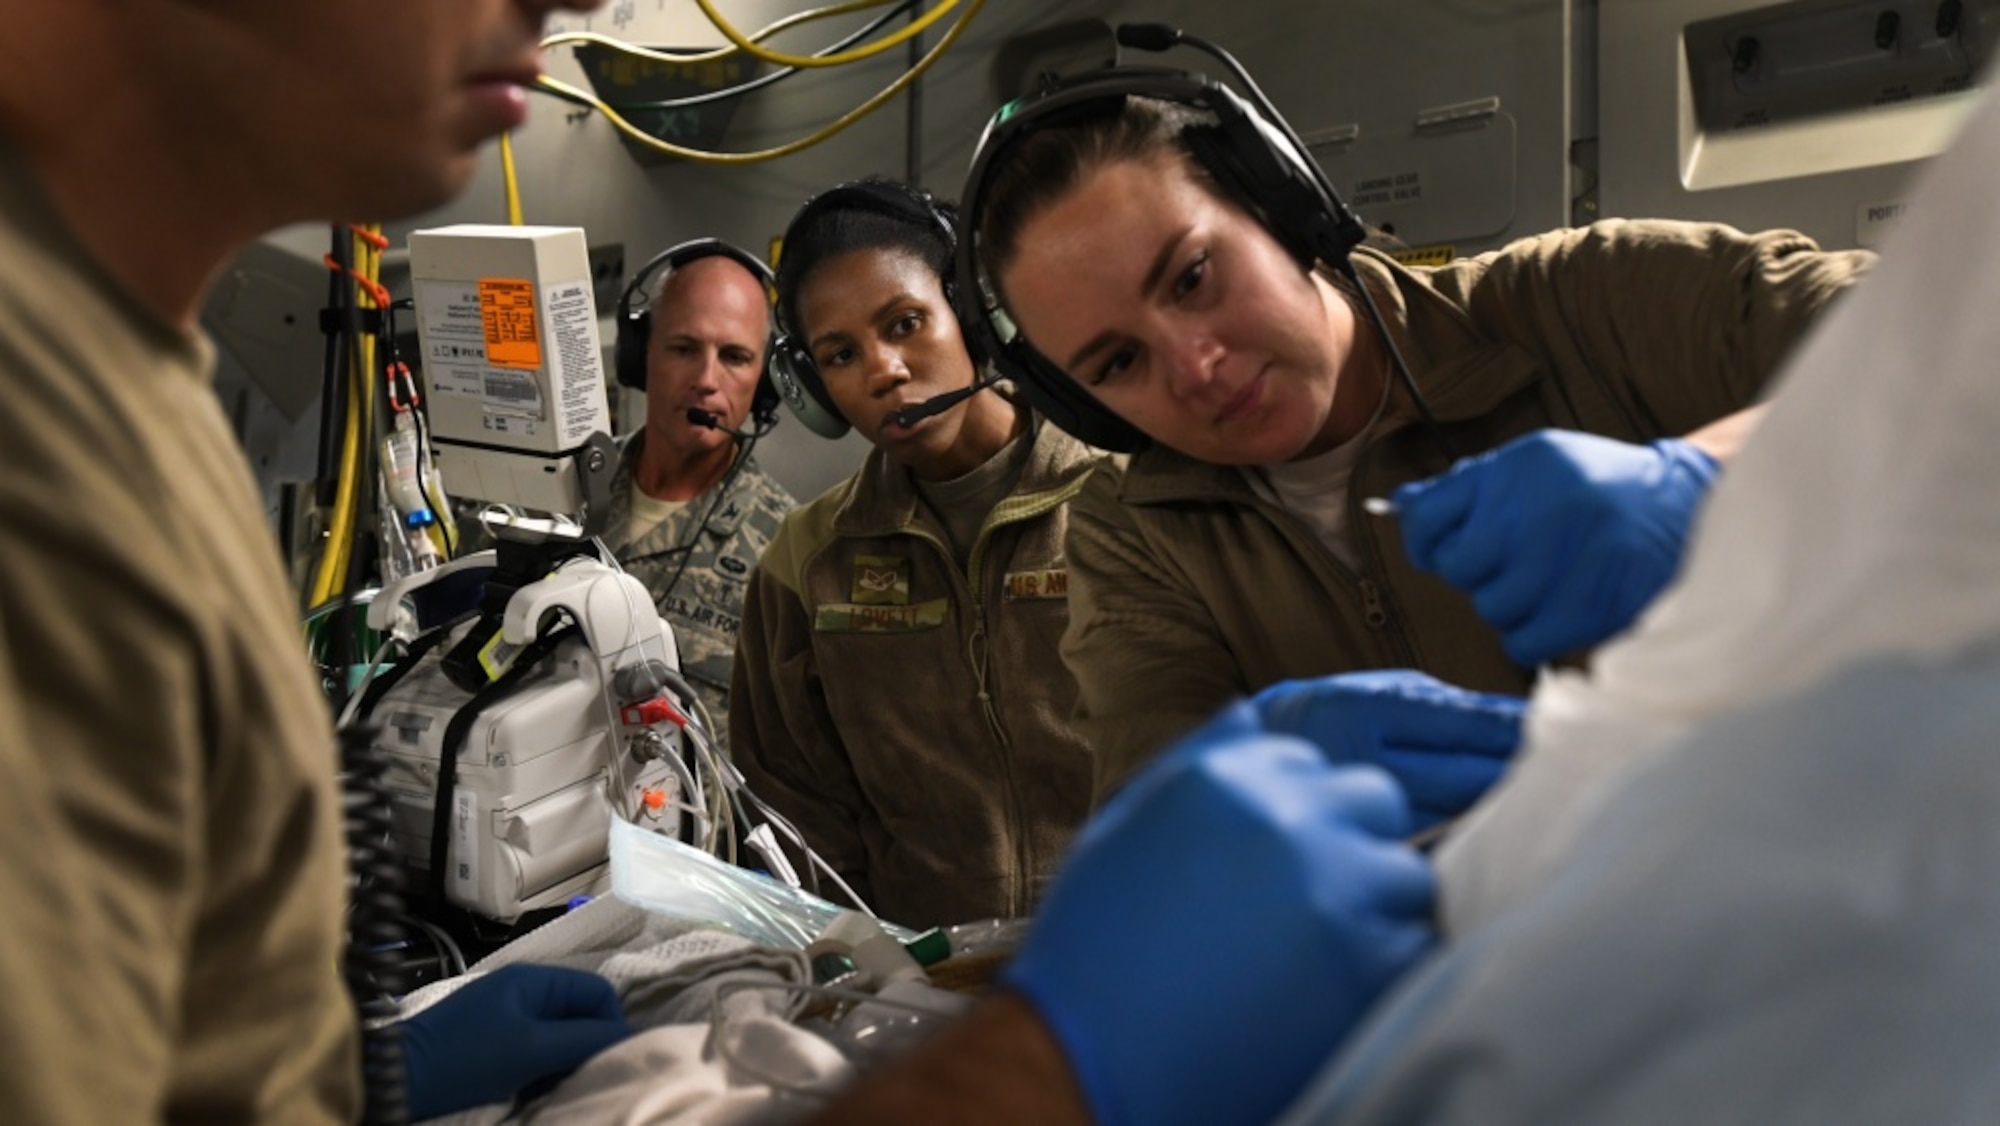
(517, 1026)
(1444, 745)
(1561, 538)
(1222, 924)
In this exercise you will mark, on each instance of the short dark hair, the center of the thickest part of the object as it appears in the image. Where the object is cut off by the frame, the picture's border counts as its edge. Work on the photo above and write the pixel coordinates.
(1047, 164)
(838, 228)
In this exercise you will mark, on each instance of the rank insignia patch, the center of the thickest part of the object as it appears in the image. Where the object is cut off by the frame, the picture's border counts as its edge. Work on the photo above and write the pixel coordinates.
(881, 580)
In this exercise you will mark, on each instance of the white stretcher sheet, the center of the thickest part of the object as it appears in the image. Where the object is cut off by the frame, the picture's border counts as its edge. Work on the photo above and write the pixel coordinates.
(1863, 517)
(1745, 871)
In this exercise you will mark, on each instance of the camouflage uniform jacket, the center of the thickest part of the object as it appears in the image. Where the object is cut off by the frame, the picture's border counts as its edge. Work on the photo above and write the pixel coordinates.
(720, 535)
(1189, 589)
(912, 718)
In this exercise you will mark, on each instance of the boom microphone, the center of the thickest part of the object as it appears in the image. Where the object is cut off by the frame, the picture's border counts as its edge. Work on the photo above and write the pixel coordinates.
(938, 404)
(714, 422)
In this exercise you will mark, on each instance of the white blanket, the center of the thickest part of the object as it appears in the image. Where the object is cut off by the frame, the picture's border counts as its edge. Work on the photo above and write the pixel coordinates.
(1746, 871)
(716, 1043)
(1790, 915)
(667, 973)
(1863, 517)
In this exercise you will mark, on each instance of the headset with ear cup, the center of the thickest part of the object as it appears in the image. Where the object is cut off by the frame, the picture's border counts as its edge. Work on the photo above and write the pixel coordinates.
(793, 370)
(635, 324)
(1249, 150)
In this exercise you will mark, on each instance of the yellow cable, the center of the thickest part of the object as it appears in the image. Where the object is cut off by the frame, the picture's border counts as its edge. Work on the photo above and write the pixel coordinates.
(360, 415)
(840, 59)
(330, 554)
(370, 258)
(507, 175)
(852, 116)
(347, 502)
(333, 557)
(364, 431)
(562, 37)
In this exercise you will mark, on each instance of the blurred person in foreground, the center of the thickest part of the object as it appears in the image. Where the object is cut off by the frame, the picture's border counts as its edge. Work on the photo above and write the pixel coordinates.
(175, 880)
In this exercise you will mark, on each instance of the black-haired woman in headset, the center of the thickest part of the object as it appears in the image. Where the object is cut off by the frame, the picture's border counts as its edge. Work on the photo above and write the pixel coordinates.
(1171, 302)
(898, 694)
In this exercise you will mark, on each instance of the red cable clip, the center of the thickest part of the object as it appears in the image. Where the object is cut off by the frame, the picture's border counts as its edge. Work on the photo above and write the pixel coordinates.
(403, 392)
(646, 713)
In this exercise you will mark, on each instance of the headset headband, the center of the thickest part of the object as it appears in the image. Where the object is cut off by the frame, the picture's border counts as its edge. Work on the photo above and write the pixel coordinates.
(635, 322)
(674, 257)
(885, 197)
(793, 370)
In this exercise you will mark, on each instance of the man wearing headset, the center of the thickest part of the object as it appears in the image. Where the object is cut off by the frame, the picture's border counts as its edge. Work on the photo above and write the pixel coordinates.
(691, 511)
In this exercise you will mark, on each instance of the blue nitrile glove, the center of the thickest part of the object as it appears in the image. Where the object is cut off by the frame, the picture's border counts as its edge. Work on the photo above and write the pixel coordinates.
(1560, 538)
(1222, 924)
(516, 1026)
(1445, 746)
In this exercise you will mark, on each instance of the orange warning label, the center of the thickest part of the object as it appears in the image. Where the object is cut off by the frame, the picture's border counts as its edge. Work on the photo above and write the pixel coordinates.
(507, 313)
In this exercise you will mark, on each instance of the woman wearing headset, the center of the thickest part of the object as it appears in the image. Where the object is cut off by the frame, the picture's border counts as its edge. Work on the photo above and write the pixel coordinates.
(1166, 306)
(898, 693)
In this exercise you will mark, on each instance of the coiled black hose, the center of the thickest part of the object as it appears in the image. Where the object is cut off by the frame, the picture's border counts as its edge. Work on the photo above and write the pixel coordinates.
(375, 933)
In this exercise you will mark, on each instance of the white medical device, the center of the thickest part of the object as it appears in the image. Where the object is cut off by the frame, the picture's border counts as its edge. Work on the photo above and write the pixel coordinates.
(514, 735)
(503, 794)
(512, 368)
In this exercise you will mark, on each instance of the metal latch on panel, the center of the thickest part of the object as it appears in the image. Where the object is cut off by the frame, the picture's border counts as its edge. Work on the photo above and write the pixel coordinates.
(1474, 112)
(1332, 137)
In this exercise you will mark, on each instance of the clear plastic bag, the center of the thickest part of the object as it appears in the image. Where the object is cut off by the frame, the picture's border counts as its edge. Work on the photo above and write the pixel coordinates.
(661, 874)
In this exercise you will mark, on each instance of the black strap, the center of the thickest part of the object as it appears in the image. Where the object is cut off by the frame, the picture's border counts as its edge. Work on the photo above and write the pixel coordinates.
(454, 739)
(380, 686)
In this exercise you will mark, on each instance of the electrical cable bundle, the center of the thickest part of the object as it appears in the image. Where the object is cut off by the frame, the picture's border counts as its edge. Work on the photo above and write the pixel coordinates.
(378, 458)
(841, 53)
(713, 790)
(355, 260)
(717, 793)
